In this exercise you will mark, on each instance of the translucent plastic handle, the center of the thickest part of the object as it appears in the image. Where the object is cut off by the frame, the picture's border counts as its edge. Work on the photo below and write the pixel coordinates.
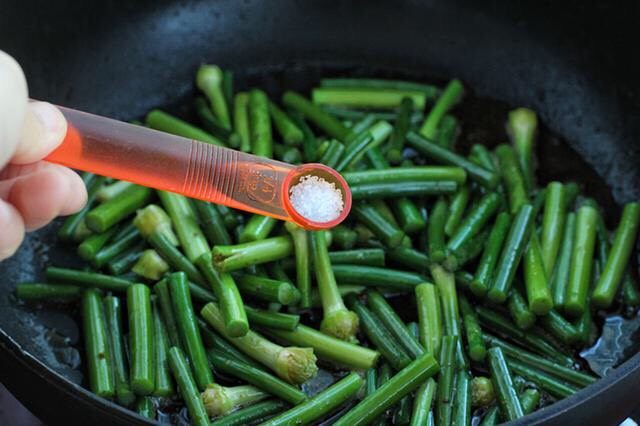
(159, 160)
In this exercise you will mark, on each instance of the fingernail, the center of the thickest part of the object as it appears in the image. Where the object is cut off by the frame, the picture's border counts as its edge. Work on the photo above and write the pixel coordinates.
(49, 116)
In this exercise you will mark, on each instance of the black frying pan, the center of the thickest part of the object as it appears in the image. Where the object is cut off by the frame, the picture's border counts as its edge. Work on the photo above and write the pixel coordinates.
(574, 63)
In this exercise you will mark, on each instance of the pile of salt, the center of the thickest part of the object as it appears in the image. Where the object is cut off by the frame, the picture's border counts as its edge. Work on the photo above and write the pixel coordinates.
(316, 199)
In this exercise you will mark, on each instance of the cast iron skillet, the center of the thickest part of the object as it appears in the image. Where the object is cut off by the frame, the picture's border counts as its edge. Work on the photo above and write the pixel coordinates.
(570, 61)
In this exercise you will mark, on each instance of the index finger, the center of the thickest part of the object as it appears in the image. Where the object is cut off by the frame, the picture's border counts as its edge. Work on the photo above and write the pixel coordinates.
(28, 132)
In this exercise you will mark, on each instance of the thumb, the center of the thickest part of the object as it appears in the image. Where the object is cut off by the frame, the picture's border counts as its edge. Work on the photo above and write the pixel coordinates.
(43, 130)
(13, 106)
(33, 130)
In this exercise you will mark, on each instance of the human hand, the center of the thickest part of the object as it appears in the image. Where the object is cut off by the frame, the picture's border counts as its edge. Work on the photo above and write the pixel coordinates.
(32, 191)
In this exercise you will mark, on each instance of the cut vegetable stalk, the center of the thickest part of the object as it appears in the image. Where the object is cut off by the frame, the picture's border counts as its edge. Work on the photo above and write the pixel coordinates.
(257, 377)
(93, 183)
(337, 320)
(497, 323)
(446, 377)
(145, 407)
(300, 239)
(113, 211)
(289, 131)
(331, 153)
(127, 237)
(372, 276)
(228, 295)
(422, 403)
(219, 345)
(409, 258)
(406, 175)
(473, 223)
(502, 383)
(449, 98)
(512, 177)
(489, 259)
(112, 190)
(239, 256)
(434, 151)
(321, 404)
(175, 258)
(469, 250)
(552, 225)
(615, 267)
(556, 325)
(519, 309)
(429, 317)
(560, 276)
(88, 249)
(185, 222)
(435, 231)
(538, 292)
(260, 124)
(388, 232)
(473, 332)
(126, 260)
(241, 120)
(462, 400)
(160, 120)
(214, 125)
(97, 347)
(366, 191)
(253, 414)
(267, 289)
(393, 323)
(212, 223)
(547, 383)
(581, 261)
(370, 138)
(309, 142)
(150, 265)
(511, 254)
(378, 334)
(329, 348)
(332, 126)
(457, 207)
(522, 128)
(209, 79)
(187, 386)
(163, 298)
(257, 228)
(86, 279)
(48, 292)
(482, 393)
(367, 256)
(163, 381)
(141, 339)
(390, 392)
(359, 97)
(113, 322)
(565, 373)
(188, 329)
(402, 124)
(430, 91)
(221, 400)
(293, 364)
(446, 284)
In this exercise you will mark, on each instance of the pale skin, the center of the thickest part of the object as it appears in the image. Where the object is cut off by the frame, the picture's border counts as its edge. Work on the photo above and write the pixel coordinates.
(32, 191)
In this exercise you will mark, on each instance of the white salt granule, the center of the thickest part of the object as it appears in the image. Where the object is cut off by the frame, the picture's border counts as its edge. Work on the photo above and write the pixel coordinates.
(316, 199)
